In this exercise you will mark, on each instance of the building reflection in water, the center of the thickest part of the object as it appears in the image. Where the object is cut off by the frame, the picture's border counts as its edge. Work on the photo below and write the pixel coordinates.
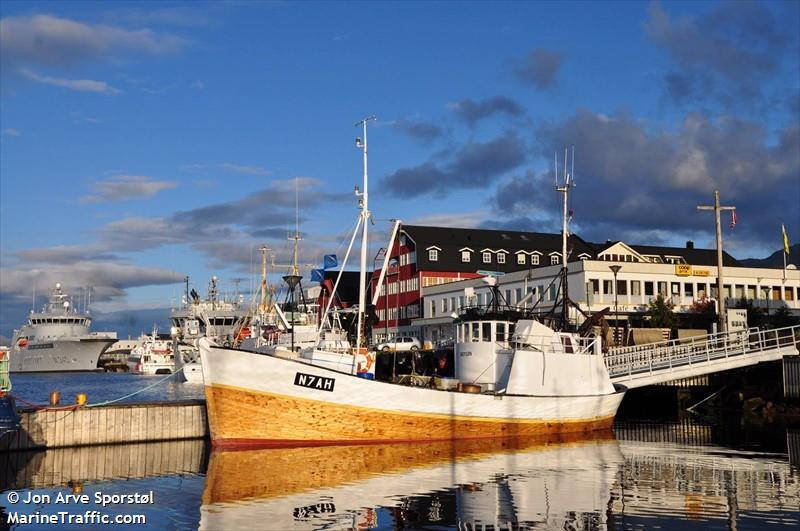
(70, 467)
(514, 484)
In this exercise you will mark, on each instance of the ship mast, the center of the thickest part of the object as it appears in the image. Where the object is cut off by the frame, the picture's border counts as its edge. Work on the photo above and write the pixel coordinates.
(564, 189)
(365, 214)
(263, 306)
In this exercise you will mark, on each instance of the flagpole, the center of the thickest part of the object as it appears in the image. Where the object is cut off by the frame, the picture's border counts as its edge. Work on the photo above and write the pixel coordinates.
(783, 244)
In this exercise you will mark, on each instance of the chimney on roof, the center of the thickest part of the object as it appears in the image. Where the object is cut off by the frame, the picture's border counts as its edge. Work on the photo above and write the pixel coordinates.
(689, 244)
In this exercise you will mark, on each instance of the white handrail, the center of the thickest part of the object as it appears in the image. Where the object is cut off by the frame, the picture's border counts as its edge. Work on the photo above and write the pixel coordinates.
(657, 357)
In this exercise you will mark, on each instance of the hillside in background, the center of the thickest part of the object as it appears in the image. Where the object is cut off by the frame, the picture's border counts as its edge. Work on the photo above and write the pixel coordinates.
(775, 260)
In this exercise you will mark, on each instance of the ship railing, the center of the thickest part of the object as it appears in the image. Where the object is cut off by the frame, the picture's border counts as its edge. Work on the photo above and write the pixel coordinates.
(652, 357)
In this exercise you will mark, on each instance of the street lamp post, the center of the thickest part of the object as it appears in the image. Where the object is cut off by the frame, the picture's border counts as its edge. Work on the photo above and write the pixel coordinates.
(615, 269)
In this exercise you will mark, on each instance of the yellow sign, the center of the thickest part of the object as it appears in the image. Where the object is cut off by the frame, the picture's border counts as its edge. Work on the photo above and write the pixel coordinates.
(683, 270)
(700, 272)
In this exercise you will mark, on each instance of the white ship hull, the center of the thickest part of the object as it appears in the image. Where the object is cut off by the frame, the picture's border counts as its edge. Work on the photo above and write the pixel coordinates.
(61, 354)
(255, 399)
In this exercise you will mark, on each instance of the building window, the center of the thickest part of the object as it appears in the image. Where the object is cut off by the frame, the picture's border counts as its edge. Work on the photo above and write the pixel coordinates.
(688, 289)
(636, 288)
(521, 259)
(595, 286)
(465, 256)
(608, 287)
(433, 308)
(487, 258)
(555, 259)
(662, 289)
(622, 287)
(501, 258)
(534, 259)
(433, 255)
(648, 289)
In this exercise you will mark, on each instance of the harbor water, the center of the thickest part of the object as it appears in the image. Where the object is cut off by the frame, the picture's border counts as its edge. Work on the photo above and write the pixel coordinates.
(100, 387)
(678, 474)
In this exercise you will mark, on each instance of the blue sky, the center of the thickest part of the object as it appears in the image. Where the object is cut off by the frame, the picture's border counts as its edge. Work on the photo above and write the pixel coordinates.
(142, 142)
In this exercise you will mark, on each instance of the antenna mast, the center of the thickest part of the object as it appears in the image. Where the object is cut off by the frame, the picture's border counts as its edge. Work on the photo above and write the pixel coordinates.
(365, 214)
(568, 182)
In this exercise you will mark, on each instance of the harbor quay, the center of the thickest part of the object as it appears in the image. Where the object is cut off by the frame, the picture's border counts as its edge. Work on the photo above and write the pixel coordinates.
(110, 424)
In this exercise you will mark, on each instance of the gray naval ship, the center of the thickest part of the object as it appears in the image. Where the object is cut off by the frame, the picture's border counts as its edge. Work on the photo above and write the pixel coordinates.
(58, 339)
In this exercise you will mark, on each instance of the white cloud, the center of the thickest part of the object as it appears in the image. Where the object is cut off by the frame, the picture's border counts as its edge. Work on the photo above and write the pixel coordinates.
(11, 132)
(463, 220)
(126, 188)
(249, 170)
(53, 41)
(80, 85)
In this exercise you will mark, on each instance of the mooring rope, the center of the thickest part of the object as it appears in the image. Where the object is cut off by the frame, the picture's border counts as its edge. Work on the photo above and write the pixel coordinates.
(162, 380)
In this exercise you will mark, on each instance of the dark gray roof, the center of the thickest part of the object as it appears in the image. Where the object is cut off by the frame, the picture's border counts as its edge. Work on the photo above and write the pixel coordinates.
(452, 240)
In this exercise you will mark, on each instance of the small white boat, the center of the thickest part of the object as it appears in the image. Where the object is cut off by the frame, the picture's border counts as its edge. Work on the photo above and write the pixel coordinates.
(153, 355)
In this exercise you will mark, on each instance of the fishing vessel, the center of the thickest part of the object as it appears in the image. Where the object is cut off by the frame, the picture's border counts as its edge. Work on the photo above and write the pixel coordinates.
(58, 339)
(515, 379)
(217, 317)
(153, 355)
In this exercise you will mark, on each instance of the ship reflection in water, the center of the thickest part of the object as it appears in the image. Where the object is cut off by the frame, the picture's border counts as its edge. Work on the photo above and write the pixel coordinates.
(634, 482)
(480, 485)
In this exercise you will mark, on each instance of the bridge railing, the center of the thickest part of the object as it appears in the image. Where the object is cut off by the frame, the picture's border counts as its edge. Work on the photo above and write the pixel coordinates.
(664, 356)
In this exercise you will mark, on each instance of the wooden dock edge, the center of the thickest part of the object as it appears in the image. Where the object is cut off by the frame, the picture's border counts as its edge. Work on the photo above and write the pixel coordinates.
(113, 424)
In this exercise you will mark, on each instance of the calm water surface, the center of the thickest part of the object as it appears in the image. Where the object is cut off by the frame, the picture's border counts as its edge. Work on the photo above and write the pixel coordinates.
(676, 475)
(100, 386)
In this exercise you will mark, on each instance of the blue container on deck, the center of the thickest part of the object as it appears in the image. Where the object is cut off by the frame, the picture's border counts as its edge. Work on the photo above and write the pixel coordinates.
(366, 375)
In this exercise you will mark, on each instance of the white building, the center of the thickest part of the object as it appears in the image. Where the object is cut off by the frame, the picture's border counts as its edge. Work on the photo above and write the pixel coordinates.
(682, 275)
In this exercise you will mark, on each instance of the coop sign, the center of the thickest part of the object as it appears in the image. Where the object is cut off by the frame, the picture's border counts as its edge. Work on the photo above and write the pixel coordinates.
(683, 270)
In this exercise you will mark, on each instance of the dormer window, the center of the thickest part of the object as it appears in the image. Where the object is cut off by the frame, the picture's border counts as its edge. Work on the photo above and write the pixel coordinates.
(433, 255)
(487, 258)
(465, 256)
(521, 259)
(534, 259)
(555, 259)
(501, 258)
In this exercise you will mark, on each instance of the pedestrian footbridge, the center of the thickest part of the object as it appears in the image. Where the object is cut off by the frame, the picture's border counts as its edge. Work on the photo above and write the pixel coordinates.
(641, 365)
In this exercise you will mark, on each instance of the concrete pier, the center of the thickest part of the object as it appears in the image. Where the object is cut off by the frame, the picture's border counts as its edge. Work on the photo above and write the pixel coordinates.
(123, 423)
